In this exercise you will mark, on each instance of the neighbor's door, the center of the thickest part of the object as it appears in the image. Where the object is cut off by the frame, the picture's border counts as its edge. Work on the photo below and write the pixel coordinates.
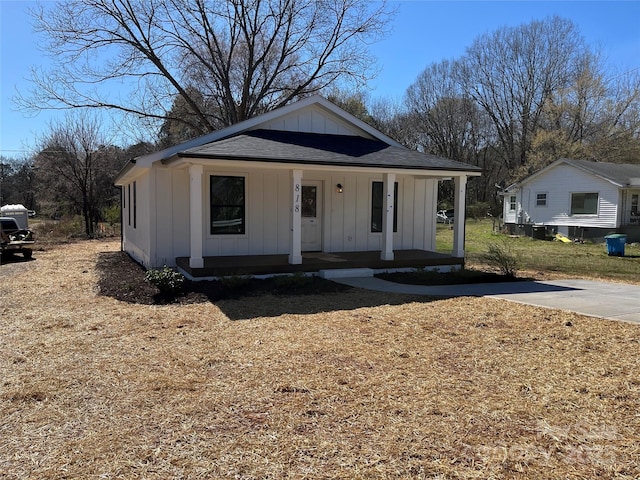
(311, 216)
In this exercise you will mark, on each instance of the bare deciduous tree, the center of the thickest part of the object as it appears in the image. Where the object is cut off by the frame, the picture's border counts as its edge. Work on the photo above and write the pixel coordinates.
(511, 74)
(227, 60)
(76, 165)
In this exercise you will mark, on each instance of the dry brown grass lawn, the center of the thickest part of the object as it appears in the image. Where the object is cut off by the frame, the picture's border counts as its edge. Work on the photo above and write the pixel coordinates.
(352, 385)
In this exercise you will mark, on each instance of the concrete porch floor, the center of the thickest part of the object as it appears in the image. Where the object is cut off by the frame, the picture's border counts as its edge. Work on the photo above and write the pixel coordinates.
(313, 262)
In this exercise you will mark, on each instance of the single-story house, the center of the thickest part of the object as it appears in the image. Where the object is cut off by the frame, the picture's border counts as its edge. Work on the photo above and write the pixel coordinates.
(577, 198)
(302, 188)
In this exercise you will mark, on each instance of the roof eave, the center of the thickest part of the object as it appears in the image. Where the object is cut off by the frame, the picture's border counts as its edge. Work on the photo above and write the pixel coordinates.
(186, 157)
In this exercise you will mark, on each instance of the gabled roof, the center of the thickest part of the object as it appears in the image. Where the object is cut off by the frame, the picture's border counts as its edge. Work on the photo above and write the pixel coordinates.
(619, 174)
(240, 142)
(255, 122)
(320, 149)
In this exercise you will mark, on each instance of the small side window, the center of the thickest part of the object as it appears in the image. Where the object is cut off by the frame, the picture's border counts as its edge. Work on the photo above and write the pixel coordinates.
(512, 203)
(541, 200)
(377, 202)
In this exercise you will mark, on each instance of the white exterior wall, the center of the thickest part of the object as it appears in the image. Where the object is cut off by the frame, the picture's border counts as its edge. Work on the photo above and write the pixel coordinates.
(346, 220)
(346, 217)
(137, 239)
(559, 183)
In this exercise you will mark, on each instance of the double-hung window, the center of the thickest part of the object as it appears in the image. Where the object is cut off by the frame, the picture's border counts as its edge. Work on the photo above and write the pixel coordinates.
(512, 203)
(541, 199)
(227, 205)
(377, 206)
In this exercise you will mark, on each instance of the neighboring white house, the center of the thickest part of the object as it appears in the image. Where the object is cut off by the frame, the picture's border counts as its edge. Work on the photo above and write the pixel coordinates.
(578, 198)
(306, 177)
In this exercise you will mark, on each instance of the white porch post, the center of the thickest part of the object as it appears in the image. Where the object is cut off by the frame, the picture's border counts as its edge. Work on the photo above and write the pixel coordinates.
(389, 180)
(459, 206)
(195, 216)
(295, 245)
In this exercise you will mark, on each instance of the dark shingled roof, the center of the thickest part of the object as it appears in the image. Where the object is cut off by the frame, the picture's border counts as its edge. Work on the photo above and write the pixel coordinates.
(321, 149)
(620, 173)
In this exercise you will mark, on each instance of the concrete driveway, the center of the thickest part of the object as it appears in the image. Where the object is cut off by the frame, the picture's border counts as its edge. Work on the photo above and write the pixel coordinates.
(615, 301)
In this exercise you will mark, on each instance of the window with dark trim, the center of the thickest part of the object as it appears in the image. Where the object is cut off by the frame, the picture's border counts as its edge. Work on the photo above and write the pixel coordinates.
(135, 206)
(227, 205)
(541, 199)
(584, 203)
(129, 204)
(377, 206)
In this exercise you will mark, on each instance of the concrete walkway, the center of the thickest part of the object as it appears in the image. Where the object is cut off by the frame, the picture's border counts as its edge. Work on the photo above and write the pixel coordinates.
(615, 301)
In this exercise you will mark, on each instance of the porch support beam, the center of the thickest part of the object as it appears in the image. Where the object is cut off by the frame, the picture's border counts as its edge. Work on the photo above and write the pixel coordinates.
(460, 207)
(295, 243)
(195, 216)
(389, 180)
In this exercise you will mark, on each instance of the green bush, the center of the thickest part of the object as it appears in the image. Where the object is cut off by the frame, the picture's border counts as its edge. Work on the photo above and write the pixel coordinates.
(478, 210)
(168, 281)
(111, 214)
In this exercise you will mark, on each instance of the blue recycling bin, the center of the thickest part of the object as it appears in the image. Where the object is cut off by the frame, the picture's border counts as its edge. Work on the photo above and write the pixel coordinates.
(615, 244)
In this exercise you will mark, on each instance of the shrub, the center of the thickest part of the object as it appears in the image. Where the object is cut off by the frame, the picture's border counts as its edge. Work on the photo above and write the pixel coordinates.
(235, 282)
(58, 231)
(111, 214)
(168, 281)
(501, 257)
(293, 282)
(478, 210)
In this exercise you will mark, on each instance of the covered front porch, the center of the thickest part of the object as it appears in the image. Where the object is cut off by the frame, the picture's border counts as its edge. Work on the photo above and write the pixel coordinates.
(313, 262)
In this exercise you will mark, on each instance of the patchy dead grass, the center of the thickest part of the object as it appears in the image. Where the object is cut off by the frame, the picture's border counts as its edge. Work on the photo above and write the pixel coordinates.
(348, 385)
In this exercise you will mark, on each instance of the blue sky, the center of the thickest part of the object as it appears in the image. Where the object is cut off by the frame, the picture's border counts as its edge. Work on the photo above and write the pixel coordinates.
(423, 32)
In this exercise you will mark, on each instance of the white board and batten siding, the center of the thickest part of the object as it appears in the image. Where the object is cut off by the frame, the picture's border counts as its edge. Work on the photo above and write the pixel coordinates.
(559, 184)
(312, 120)
(136, 218)
(345, 222)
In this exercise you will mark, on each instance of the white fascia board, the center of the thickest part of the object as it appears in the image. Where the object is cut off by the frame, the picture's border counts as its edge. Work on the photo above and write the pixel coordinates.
(249, 164)
(130, 174)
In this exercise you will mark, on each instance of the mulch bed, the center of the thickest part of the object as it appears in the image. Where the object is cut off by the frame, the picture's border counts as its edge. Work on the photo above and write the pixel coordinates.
(120, 277)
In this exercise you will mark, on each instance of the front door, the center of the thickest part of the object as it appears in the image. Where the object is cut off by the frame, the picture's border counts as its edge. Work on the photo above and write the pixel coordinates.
(311, 216)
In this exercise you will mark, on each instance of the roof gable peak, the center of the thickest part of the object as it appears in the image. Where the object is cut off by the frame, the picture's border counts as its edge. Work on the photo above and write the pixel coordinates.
(270, 120)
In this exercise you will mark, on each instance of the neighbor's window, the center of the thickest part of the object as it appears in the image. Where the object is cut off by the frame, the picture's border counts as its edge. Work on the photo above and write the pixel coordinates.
(584, 203)
(129, 203)
(227, 205)
(512, 203)
(541, 200)
(377, 205)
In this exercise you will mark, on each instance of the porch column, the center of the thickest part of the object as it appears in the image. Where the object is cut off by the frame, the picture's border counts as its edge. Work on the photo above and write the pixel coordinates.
(389, 180)
(195, 216)
(459, 207)
(295, 244)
